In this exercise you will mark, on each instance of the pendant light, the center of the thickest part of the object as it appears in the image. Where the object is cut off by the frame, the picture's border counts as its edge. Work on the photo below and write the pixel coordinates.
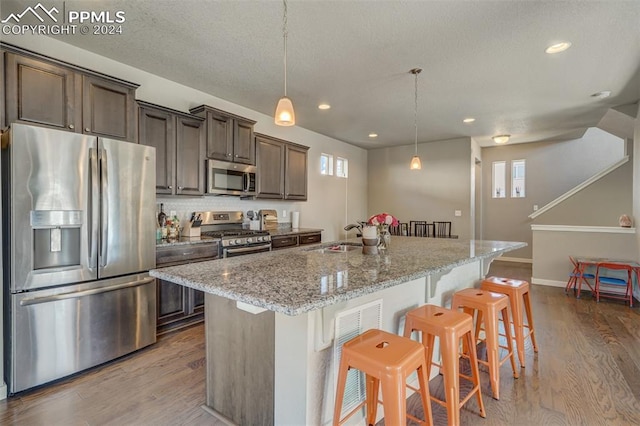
(416, 164)
(284, 111)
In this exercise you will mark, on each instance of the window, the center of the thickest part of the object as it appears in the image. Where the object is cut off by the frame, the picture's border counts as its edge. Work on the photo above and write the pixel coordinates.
(342, 167)
(517, 178)
(498, 179)
(326, 164)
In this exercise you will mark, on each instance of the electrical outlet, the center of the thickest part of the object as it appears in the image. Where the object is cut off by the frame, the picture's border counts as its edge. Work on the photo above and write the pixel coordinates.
(535, 207)
(172, 213)
(457, 213)
(284, 213)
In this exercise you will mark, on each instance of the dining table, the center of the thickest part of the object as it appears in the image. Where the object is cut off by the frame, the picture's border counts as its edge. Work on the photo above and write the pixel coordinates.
(588, 265)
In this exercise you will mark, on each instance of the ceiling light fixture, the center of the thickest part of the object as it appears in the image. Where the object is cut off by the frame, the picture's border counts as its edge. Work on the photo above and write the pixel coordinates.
(324, 106)
(416, 164)
(285, 116)
(373, 135)
(501, 139)
(558, 47)
(469, 120)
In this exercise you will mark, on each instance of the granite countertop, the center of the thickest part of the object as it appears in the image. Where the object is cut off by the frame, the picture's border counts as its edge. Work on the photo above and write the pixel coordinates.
(293, 231)
(310, 277)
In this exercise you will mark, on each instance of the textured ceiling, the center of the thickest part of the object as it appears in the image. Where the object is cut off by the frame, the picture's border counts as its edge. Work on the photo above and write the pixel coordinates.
(482, 59)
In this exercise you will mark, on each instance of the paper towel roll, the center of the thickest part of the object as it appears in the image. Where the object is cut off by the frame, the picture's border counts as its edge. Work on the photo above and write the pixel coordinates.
(295, 220)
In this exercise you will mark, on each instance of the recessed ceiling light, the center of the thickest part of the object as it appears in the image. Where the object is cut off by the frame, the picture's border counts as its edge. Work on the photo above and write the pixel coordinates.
(501, 139)
(373, 135)
(324, 106)
(603, 94)
(469, 120)
(558, 47)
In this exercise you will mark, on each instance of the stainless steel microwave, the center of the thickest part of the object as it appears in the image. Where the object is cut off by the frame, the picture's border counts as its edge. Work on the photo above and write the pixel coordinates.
(225, 178)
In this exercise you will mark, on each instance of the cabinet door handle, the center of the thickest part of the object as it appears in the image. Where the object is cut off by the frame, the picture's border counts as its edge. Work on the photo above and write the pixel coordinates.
(229, 155)
(86, 129)
(71, 126)
(181, 187)
(170, 186)
(236, 155)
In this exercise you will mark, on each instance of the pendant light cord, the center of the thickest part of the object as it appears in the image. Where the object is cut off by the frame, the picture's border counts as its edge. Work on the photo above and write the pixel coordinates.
(284, 35)
(415, 110)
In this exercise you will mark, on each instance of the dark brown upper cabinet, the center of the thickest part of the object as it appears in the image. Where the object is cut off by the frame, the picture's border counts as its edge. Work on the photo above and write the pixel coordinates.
(229, 137)
(295, 172)
(282, 169)
(179, 140)
(41, 93)
(108, 108)
(53, 94)
(190, 150)
(270, 167)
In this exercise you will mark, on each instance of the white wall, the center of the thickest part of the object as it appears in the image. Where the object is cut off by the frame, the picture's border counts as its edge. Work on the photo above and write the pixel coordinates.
(636, 177)
(433, 193)
(552, 248)
(327, 205)
(552, 169)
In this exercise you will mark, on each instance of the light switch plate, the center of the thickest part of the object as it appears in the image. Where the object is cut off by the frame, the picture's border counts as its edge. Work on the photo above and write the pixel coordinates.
(457, 213)
(284, 213)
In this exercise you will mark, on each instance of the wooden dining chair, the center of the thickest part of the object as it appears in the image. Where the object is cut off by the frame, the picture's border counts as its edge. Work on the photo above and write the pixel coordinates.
(609, 284)
(418, 228)
(401, 229)
(577, 277)
(442, 229)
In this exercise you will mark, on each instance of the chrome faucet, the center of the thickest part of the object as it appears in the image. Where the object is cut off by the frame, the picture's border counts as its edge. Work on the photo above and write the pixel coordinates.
(353, 225)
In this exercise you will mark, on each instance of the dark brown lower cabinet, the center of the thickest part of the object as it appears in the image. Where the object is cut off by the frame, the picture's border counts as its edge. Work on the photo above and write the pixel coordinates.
(180, 306)
(286, 241)
(312, 238)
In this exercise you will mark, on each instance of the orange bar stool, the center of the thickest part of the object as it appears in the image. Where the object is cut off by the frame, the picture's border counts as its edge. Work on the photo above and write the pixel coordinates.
(488, 304)
(518, 292)
(449, 326)
(386, 359)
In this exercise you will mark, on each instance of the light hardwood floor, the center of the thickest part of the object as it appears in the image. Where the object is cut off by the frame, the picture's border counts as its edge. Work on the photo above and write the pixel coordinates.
(587, 372)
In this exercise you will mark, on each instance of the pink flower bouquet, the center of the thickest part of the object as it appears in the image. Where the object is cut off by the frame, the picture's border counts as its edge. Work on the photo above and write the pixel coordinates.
(383, 219)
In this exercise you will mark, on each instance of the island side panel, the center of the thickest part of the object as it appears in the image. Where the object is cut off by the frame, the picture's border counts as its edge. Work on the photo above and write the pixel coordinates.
(305, 368)
(240, 362)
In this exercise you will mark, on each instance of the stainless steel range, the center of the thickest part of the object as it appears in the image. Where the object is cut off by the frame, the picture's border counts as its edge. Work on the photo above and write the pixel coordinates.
(235, 240)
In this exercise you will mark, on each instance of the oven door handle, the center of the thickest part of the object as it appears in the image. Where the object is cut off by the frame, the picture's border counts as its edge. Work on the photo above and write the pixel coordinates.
(246, 249)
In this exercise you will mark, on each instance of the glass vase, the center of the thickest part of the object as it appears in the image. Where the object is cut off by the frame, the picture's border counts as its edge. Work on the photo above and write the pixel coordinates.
(384, 237)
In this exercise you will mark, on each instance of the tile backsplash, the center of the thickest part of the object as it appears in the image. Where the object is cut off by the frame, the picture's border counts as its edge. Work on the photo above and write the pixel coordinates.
(185, 206)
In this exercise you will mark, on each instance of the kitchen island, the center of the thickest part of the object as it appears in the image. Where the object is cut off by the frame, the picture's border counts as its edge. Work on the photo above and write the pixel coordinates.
(274, 321)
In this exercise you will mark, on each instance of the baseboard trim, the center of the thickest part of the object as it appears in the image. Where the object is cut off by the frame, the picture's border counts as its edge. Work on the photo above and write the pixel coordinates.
(218, 416)
(549, 283)
(515, 259)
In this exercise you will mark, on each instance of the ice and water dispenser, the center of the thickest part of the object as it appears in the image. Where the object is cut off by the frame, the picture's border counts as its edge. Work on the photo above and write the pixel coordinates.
(56, 238)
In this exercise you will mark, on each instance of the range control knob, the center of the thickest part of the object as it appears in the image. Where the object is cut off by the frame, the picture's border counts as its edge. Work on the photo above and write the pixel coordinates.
(258, 239)
(238, 241)
(230, 242)
(249, 240)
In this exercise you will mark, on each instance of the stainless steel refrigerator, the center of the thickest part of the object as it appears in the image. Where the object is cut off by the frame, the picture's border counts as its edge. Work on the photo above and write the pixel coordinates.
(79, 219)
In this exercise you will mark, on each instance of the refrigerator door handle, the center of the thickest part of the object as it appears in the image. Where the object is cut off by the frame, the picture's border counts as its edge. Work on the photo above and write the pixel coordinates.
(93, 209)
(104, 208)
(83, 293)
